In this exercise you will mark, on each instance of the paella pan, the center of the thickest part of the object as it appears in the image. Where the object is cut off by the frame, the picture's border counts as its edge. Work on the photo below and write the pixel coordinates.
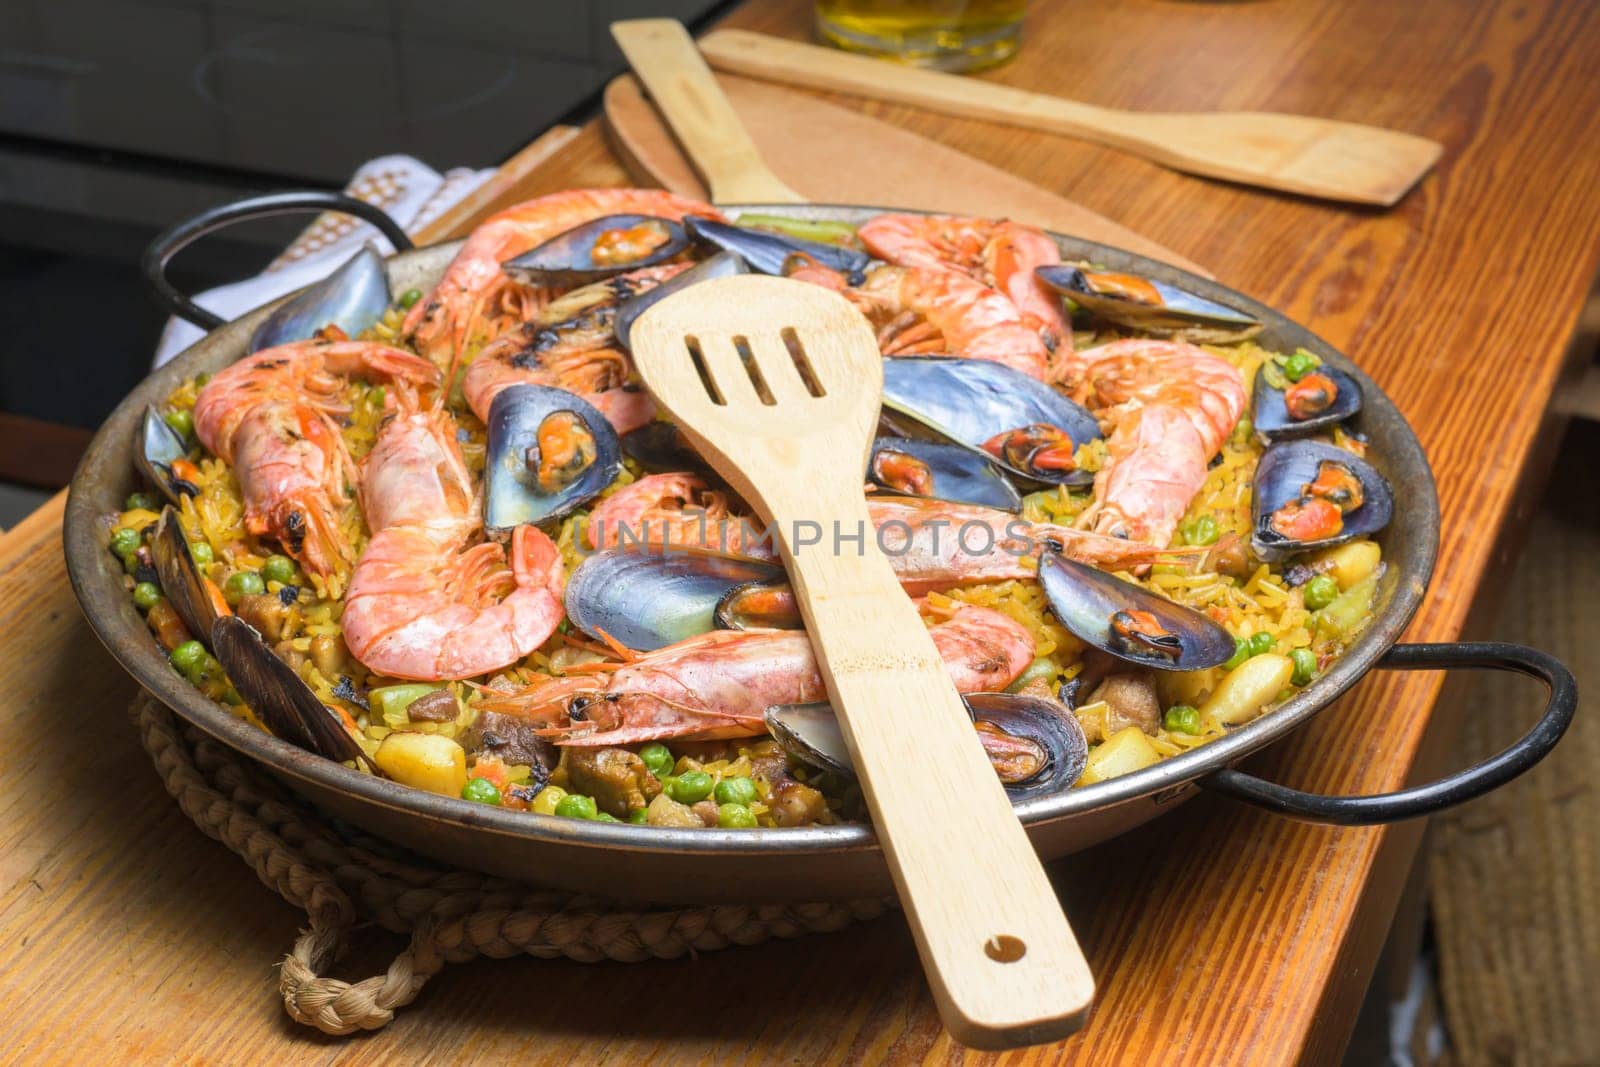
(486, 605)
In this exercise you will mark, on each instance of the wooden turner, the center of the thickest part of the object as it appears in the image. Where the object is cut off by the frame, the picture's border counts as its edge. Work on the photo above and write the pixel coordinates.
(777, 384)
(1296, 153)
(664, 58)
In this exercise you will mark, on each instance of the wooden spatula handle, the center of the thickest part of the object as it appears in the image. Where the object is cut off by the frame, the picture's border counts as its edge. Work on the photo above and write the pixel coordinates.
(1001, 960)
(664, 57)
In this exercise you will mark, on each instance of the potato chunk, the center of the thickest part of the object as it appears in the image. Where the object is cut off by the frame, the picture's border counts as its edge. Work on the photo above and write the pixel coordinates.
(424, 761)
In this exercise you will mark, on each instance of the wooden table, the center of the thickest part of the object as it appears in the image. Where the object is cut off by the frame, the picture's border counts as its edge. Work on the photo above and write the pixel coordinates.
(1218, 934)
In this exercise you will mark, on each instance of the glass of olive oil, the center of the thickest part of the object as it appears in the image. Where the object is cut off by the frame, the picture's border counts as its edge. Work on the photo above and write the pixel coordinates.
(955, 35)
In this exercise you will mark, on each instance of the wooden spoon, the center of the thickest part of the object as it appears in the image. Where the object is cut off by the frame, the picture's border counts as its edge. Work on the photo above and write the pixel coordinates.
(664, 58)
(777, 384)
(1295, 153)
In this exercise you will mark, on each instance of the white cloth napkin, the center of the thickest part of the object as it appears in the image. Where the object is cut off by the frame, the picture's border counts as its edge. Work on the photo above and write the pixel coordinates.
(409, 190)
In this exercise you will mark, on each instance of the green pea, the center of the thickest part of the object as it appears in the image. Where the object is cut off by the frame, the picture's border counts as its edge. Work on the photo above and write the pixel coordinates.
(1182, 719)
(606, 816)
(142, 501)
(735, 817)
(1241, 652)
(1320, 592)
(1261, 643)
(691, 787)
(1305, 666)
(125, 542)
(279, 569)
(410, 297)
(201, 551)
(202, 379)
(377, 395)
(638, 816)
(576, 806)
(241, 584)
(146, 595)
(181, 420)
(480, 791)
(1299, 365)
(658, 758)
(208, 668)
(1202, 531)
(736, 791)
(188, 656)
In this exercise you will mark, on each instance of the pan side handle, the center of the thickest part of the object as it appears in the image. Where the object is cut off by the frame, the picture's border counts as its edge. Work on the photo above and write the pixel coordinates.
(1419, 801)
(173, 240)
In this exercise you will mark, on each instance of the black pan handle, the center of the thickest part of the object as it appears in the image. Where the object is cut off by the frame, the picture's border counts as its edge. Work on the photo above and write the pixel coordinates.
(1451, 790)
(154, 264)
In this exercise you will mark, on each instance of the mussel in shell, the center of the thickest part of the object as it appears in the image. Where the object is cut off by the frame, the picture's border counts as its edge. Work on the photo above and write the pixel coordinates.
(721, 265)
(648, 599)
(940, 471)
(660, 447)
(549, 451)
(1035, 745)
(769, 253)
(196, 598)
(1024, 425)
(1147, 304)
(278, 696)
(1310, 495)
(352, 298)
(1300, 408)
(1128, 621)
(598, 249)
(765, 604)
(158, 447)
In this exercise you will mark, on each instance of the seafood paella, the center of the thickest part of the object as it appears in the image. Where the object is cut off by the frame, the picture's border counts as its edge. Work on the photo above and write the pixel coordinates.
(445, 537)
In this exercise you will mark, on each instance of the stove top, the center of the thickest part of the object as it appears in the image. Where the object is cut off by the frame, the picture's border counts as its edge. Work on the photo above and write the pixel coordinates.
(305, 90)
(120, 117)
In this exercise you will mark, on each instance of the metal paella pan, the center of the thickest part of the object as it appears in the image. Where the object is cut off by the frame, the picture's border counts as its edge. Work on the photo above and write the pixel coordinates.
(816, 862)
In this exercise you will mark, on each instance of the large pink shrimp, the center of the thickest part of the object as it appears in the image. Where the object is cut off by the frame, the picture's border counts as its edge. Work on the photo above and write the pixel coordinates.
(996, 253)
(718, 684)
(570, 344)
(675, 510)
(934, 545)
(931, 544)
(422, 603)
(929, 311)
(271, 417)
(474, 293)
(1171, 406)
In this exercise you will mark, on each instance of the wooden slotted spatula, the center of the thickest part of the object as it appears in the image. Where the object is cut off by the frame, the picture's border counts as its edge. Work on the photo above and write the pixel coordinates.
(1295, 153)
(664, 58)
(777, 384)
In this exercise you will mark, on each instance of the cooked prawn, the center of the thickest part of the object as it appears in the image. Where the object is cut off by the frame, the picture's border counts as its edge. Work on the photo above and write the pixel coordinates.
(931, 544)
(674, 510)
(271, 415)
(996, 253)
(475, 298)
(718, 684)
(1171, 406)
(425, 602)
(929, 311)
(570, 344)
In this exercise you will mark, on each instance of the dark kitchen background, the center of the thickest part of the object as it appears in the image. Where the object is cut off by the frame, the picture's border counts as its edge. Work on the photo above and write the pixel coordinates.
(119, 117)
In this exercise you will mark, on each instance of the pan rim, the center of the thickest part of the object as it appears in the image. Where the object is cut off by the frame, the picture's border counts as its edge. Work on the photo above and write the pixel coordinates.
(127, 639)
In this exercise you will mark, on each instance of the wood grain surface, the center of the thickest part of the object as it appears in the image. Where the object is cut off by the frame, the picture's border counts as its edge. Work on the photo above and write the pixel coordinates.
(816, 147)
(1216, 934)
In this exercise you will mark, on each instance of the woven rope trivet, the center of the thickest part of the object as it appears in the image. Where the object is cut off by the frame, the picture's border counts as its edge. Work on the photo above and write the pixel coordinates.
(341, 878)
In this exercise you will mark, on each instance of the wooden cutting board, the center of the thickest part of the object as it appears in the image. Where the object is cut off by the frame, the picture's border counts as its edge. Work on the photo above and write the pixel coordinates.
(835, 155)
